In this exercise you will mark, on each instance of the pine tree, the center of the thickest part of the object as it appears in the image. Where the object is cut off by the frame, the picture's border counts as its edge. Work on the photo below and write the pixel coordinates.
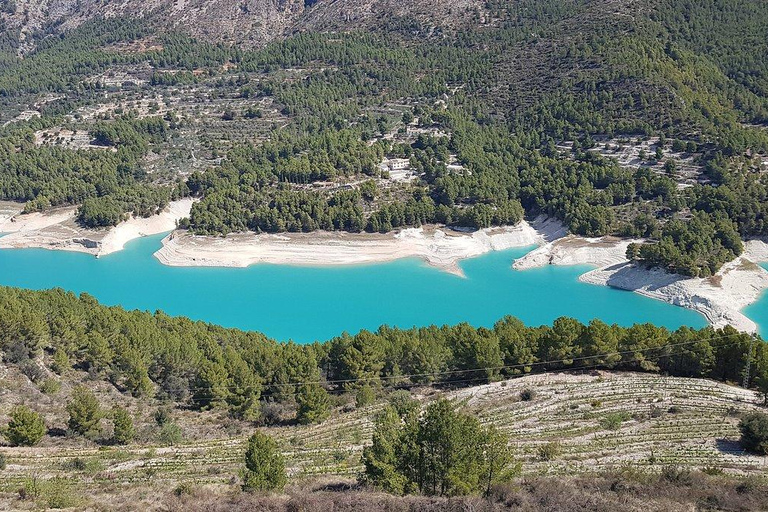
(123, 426)
(84, 411)
(264, 465)
(26, 427)
(313, 404)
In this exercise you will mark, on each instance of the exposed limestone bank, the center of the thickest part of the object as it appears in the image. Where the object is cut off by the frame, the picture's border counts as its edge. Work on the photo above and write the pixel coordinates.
(58, 229)
(439, 247)
(719, 298)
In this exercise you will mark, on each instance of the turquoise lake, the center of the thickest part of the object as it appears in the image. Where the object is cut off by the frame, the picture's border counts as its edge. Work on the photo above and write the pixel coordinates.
(310, 303)
(758, 312)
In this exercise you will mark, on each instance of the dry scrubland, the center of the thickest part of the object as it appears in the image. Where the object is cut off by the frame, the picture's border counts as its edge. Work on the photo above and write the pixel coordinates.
(604, 423)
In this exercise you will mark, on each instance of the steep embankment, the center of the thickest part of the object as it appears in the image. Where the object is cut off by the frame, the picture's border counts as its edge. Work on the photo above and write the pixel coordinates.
(440, 247)
(58, 229)
(719, 298)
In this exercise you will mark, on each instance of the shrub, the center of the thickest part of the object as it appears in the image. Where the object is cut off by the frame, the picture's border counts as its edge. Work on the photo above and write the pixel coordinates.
(26, 427)
(313, 404)
(183, 489)
(754, 432)
(56, 493)
(123, 423)
(50, 386)
(403, 403)
(170, 434)
(614, 420)
(3, 462)
(60, 493)
(364, 396)
(84, 411)
(87, 465)
(527, 395)
(264, 465)
(677, 475)
(76, 464)
(274, 413)
(162, 416)
(550, 451)
(61, 362)
(32, 371)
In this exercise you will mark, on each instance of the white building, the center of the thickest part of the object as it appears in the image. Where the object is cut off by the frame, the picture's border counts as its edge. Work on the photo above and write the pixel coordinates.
(398, 164)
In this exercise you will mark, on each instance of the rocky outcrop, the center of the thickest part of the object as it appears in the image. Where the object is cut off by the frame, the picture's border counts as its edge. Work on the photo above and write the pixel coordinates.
(249, 23)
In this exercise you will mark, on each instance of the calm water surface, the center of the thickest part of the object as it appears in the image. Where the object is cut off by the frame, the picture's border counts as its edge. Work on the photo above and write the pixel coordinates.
(310, 303)
(758, 312)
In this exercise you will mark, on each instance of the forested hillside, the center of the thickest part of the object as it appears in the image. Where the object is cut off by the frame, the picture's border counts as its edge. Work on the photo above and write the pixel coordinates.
(517, 113)
(641, 119)
(160, 407)
(202, 366)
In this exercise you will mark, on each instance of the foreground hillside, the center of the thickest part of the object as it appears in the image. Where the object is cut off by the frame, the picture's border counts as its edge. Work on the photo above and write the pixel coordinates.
(560, 426)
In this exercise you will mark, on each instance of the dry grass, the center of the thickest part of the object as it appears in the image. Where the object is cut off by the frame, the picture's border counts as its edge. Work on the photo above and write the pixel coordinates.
(689, 423)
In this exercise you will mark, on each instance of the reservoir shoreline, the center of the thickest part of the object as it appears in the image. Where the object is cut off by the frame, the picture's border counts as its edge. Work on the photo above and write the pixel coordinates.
(720, 298)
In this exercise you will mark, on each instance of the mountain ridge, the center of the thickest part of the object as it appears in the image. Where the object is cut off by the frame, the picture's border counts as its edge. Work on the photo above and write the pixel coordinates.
(248, 23)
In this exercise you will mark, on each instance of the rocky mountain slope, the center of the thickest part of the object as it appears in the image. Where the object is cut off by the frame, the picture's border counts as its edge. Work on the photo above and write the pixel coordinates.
(245, 22)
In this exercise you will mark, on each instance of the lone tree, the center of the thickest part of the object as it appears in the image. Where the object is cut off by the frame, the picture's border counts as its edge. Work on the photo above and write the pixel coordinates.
(442, 452)
(264, 465)
(84, 411)
(754, 432)
(26, 427)
(313, 404)
(123, 423)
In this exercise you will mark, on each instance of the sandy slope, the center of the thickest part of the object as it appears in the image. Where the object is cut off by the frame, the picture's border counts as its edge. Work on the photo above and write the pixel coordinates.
(134, 228)
(439, 247)
(58, 230)
(720, 298)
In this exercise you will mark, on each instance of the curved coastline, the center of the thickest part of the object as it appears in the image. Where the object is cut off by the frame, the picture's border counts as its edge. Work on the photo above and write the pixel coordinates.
(439, 247)
(58, 229)
(720, 298)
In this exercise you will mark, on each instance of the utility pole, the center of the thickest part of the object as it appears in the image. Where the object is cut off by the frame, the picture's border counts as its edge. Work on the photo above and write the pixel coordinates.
(745, 383)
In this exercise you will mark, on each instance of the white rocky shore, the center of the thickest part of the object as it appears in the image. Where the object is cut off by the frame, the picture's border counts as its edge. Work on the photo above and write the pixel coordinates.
(439, 247)
(719, 298)
(58, 230)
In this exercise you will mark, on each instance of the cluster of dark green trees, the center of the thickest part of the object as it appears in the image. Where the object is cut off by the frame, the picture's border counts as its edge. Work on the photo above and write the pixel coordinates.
(440, 452)
(106, 184)
(27, 428)
(204, 366)
(695, 247)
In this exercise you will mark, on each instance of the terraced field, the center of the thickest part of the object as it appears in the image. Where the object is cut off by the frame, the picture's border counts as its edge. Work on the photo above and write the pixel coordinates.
(595, 422)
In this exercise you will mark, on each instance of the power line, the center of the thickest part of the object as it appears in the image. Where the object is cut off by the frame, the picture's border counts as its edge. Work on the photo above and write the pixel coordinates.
(484, 380)
(489, 368)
